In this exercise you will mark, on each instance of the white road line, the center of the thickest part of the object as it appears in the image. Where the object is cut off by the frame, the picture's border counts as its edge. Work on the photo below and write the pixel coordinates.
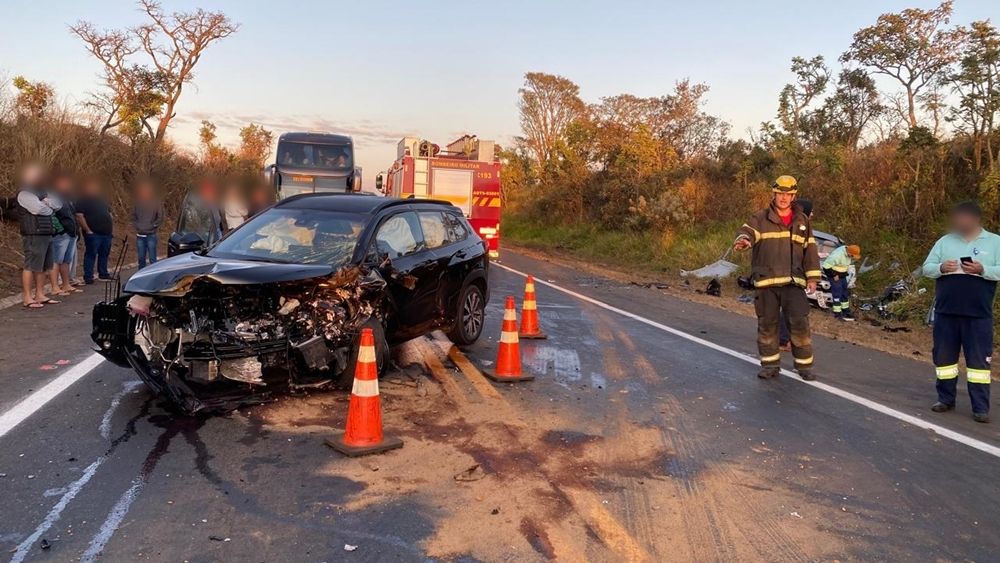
(127, 387)
(30, 404)
(111, 523)
(875, 406)
(71, 491)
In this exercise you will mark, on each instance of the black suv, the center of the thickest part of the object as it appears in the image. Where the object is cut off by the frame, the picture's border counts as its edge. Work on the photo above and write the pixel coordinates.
(280, 302)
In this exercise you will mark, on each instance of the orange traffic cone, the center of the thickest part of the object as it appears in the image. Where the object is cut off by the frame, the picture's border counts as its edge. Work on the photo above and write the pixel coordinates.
(364, 413)
(509, 353)
(529, 313)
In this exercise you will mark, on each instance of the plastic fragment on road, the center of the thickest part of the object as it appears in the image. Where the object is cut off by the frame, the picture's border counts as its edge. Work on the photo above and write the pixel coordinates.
(718, 269)
(349, 547)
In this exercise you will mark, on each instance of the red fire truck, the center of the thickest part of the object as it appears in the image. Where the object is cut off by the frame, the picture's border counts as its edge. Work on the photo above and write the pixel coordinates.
(466, 173)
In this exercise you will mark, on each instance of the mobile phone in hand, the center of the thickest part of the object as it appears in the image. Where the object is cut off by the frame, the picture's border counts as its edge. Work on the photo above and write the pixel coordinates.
(966, 259)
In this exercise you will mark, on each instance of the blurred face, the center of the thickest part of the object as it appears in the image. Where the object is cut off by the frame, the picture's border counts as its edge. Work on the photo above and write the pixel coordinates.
(207, 191)
(965, 223)
(144, 191)
(33, 175)
(92, 188)
(64, 185)
(783, 201)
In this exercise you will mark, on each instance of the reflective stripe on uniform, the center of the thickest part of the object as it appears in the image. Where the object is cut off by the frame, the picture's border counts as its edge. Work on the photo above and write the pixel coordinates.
(799, 239)
(814, 274)
(365, 388)
(839, 269)
(755, 232)
(775, 234)
(771, 281)
(804, 361)
(977, 375)
(774, 358)
(836, 307)
(947, 372)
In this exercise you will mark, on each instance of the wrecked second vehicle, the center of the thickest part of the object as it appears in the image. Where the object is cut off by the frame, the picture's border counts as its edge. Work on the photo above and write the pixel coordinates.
(280, 302)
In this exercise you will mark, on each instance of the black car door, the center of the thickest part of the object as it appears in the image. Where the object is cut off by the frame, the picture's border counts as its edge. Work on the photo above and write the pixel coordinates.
(412, 273)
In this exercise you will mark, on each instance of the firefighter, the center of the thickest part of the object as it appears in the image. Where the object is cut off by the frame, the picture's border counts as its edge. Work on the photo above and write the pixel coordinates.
(836, 267)
(966, 265)
(785, 262)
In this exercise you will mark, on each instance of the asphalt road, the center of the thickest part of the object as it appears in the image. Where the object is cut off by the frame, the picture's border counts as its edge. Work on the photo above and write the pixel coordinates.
(645, 437)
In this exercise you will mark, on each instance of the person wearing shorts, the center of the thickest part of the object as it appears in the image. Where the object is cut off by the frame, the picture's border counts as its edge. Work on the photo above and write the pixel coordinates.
(36, 212)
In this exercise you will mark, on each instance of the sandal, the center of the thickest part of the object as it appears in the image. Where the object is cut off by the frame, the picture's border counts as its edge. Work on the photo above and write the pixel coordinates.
(32, 305)
(48, 301)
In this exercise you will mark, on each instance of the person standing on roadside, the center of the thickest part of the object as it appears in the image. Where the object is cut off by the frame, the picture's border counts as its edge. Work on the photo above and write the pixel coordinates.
(64, 244)
(966, 265)
(147, 215)
(785, 263)
(837, 267)
(97, 224)
(36, 212)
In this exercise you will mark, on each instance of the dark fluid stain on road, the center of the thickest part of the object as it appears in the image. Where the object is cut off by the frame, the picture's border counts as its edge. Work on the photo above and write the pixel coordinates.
(538, 538)
(569, 439)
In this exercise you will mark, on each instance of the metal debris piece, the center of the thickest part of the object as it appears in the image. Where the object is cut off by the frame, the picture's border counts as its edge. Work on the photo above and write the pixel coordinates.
(349, 547)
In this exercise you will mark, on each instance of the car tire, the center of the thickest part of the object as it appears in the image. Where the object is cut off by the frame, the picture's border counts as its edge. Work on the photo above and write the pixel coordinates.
(382, 358)
(470, 315)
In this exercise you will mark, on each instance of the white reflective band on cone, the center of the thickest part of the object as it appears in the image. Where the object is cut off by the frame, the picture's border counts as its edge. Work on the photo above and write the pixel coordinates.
(977, 375)
(530, 306)
(365, 388)
(366, 354)
(509, 315)
(529, 288)
(508, 337)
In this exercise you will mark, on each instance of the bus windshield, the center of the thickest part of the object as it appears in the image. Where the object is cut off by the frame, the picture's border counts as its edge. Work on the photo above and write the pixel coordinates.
(337, 157)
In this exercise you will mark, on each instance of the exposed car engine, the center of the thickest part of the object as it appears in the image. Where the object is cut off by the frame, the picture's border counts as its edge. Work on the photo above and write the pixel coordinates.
(210, 344)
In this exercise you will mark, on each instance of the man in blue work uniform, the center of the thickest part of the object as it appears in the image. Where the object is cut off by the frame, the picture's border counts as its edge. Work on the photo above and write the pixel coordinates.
(837, 266)
(966, 265)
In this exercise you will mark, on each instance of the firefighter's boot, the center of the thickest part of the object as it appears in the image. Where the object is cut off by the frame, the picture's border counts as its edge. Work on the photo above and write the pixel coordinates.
(768, 372)
(807, 374)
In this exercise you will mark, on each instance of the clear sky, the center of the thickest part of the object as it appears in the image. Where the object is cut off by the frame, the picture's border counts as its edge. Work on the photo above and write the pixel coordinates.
(380, 70)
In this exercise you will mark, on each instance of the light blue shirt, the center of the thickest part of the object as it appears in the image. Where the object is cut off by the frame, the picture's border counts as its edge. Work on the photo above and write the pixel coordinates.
(984, 249)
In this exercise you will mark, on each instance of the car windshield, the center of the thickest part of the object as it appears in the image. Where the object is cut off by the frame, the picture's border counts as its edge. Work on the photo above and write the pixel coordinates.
(300, 236)
(316, 155)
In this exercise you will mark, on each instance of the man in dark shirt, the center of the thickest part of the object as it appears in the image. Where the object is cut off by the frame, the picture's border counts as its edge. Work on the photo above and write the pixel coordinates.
(94, 217)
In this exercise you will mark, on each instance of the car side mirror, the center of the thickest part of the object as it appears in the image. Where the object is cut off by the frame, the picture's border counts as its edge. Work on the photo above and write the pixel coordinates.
(269, 174)
(356, 180)
(187, 242)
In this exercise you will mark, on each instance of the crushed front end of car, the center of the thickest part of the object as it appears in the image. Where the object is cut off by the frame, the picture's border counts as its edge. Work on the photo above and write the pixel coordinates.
(214, 336)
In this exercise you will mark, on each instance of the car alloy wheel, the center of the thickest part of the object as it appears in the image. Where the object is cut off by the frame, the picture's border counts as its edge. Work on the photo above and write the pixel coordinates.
(472, 314)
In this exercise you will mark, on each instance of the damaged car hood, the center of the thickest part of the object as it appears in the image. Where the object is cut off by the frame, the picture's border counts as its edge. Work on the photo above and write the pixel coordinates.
(174, 276)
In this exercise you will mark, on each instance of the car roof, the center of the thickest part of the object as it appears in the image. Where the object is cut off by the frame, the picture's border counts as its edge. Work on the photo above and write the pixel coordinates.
(314, 137)
(355, 203)
(827, 237)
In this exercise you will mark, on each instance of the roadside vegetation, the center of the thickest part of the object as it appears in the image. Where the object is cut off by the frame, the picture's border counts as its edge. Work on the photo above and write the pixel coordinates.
(882, 140)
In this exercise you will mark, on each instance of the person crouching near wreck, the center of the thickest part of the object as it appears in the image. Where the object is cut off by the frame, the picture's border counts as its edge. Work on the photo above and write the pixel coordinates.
(784, 263)
(966, 265)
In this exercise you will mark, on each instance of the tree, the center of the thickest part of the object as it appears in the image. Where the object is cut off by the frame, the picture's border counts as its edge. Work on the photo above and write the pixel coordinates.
(172, 45)
(33, 98)
(911, 47)
(811, 79)
(852, 107)
(685, 126)
(214, 155)
(977, 83)
(548, 105)
(255, 144)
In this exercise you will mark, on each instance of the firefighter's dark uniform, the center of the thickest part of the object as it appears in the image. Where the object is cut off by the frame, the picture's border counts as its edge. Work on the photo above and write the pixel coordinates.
(784, 258)
(963, 316)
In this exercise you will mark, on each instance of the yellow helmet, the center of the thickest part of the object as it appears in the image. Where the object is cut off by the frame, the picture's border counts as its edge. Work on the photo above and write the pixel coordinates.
(785, 184)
